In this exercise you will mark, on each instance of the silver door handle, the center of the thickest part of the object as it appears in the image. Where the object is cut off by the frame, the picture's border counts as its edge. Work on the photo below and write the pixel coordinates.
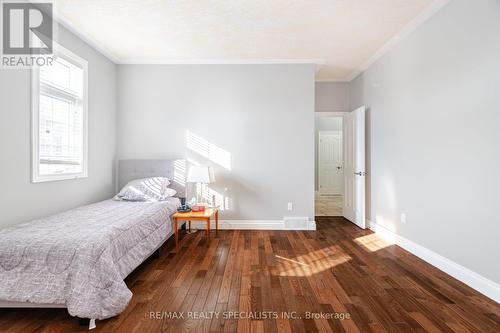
(361, 173)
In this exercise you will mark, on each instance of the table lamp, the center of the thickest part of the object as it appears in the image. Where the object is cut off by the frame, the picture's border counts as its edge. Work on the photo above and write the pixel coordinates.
(200, 174)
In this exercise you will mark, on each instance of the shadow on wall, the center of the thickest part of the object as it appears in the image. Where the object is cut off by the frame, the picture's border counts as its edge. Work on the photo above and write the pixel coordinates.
(368, 163)
(357, 99)
(225, 190)
(387, 189)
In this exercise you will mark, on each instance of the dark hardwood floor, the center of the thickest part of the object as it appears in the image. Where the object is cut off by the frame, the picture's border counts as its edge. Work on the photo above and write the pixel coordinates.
(341, 271)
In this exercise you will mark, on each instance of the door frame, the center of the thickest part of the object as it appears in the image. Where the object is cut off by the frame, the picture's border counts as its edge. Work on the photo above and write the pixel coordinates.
(342, 114)
(319, 114)
(339, 133)
(329, 114)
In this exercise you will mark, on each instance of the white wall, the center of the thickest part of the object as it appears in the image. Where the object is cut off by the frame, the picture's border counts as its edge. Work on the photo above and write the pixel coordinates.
(323, 124)
(434, 117)
(332, 97)
(20, 200)
(262, 115)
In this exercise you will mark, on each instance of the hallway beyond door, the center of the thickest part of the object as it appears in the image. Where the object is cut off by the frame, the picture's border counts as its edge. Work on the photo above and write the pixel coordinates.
(328, 205)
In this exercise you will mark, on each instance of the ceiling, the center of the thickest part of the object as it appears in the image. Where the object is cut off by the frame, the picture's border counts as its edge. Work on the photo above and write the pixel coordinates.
(341, 36)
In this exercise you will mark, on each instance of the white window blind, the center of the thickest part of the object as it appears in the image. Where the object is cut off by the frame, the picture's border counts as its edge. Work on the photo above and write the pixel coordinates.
(59, 107)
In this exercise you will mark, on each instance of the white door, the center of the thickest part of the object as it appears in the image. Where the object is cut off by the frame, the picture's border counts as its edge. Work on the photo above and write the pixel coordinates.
(330, 169)
(354, 167)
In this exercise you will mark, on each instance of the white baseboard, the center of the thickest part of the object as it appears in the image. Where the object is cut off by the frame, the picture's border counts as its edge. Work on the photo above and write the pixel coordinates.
(472, 279)
(255, 225)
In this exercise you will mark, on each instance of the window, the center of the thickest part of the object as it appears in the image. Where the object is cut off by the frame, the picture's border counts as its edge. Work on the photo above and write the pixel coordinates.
(59, 118)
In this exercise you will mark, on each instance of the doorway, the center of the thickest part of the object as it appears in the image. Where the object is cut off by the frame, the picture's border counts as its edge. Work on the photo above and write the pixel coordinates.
(340, 165)
(329, 168)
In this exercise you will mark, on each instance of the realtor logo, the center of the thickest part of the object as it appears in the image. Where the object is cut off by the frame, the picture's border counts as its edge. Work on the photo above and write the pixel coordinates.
(27, 31)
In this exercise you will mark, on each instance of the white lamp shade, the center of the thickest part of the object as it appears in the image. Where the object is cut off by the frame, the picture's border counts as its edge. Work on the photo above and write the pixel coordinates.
(200, 174)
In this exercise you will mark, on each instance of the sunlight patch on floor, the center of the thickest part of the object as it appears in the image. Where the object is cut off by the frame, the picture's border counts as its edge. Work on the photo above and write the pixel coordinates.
(372, 243)
(310, 264)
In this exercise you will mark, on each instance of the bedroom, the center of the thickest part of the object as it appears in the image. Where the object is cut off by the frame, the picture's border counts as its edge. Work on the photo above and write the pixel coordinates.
(217, 102)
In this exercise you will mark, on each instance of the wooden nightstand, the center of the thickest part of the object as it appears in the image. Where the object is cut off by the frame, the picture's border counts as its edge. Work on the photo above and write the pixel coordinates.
(195, 216)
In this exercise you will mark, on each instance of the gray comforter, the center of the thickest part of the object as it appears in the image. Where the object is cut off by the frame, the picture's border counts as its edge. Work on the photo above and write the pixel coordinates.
(80, 257)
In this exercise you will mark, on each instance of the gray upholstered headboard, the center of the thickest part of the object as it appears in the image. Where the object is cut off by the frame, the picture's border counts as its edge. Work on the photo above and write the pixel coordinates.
(175, 170)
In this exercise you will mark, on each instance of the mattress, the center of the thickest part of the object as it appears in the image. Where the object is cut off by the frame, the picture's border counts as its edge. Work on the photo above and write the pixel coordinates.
(80, 257)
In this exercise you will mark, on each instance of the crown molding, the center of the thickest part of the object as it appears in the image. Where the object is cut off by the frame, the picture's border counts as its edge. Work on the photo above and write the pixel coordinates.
(85, 37)
(413, 25)
(218, 61)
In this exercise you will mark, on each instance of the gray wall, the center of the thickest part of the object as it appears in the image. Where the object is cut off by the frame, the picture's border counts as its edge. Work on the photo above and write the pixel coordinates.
(434, 116)
(332, 97)
(262, 115)
(323, 124)
(20, 199)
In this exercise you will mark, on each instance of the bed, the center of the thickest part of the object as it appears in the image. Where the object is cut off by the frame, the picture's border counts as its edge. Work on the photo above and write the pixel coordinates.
(78, 259)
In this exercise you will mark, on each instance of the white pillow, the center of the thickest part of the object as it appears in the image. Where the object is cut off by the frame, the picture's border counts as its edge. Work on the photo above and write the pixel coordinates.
(146, 189)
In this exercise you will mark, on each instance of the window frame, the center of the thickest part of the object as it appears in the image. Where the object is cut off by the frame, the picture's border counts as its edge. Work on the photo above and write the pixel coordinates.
(35, 119)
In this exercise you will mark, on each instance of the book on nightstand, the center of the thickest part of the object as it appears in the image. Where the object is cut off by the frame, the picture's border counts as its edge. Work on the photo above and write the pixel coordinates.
(198, 208)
